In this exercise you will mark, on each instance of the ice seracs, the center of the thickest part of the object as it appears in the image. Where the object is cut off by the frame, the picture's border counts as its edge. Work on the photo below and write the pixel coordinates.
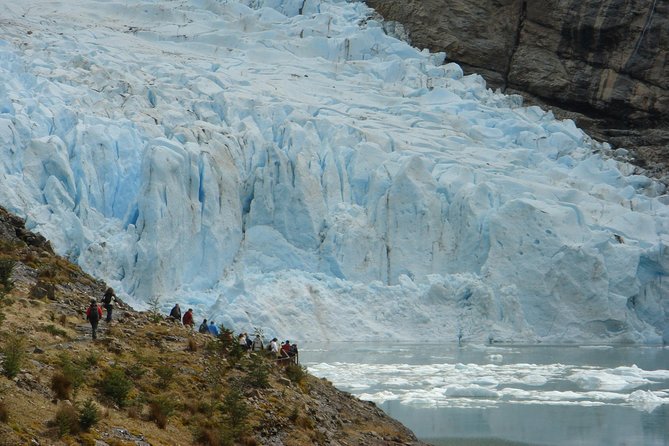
(288, 165)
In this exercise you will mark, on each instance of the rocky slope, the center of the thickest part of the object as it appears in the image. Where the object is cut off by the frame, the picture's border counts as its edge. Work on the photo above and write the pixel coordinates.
(603, 63)
(149, 381)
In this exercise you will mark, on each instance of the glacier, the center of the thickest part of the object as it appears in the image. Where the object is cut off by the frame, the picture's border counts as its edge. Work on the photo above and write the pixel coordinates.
(291, 166)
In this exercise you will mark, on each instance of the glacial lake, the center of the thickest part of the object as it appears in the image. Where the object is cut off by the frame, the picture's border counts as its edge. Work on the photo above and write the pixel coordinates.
(508, 395)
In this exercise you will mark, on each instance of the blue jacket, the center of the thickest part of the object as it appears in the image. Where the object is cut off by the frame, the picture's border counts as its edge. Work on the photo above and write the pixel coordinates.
(213, 329)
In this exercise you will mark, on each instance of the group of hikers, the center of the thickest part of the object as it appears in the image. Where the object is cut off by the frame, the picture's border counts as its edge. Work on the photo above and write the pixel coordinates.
(285, 352)
(94, 312)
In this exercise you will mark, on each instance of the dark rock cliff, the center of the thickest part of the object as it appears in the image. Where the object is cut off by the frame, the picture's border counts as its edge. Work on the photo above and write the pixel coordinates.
(603, 63)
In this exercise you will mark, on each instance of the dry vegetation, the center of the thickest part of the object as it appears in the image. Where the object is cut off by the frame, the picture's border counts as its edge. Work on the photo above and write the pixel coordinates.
(146, 380)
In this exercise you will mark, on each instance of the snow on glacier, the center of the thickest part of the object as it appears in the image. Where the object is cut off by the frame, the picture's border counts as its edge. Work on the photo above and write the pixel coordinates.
(290, 166)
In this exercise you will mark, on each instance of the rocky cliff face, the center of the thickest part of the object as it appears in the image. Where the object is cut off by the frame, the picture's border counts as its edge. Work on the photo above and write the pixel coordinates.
(604, 63)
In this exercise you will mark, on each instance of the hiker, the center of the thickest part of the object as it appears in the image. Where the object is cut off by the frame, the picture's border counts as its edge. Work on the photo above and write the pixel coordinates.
(188, 319)
(248, 340)
(175, 314)
(274, 346)
(108, 300)
(241, 339)
(213, 329)
(203, 327)
(285, 349)
(93, 315)
(257, 344)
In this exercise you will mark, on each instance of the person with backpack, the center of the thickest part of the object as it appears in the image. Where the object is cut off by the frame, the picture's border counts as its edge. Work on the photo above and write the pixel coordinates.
(175, 314)
(93, 315)
(108, 301)
(203, 327)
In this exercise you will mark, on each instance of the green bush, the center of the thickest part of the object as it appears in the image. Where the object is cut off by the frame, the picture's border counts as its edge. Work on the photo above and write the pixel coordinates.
(160, 408)
(92, 359)
(258, 375)
(88, 415)
(235, 412)
(116, 386)
(135, 371)
(66, 420)
(165, 374)
(14, 352)
(72, 370)
(296, 373)
(6, 269)
(4, 413)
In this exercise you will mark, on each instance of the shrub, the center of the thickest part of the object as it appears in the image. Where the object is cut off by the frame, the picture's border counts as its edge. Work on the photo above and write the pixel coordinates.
(4, 413)
(6, 269)
(165, 374)
(160, 408)
(135, 371)
(208, 436)
(296, 373)
(235, 412)
(61, 386)
(116, 386)
(258, 375)
(14, 352)
(92, 359)
(72, 370)
(66, 420)
(192, 345)
(88, 415)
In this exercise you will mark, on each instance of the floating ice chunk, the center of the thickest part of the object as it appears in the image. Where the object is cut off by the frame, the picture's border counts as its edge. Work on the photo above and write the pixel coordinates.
(495, 358)
(472, 391)
(614, 380)
(646, 400)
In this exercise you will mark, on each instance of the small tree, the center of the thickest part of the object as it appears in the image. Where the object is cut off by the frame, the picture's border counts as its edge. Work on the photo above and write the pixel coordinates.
(116, 386)
(6, 269)
(66, 420)
(259, 371)
(88, 414)
(14, 352)
(235, 412)
(154, 308)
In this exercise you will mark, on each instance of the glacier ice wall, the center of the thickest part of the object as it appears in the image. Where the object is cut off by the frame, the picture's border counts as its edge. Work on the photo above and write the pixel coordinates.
(287, 165)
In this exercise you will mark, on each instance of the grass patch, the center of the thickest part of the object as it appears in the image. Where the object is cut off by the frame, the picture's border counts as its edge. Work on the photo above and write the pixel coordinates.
(53, 330)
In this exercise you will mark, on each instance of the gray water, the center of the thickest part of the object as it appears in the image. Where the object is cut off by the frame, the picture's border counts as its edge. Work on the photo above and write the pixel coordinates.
(501, 395)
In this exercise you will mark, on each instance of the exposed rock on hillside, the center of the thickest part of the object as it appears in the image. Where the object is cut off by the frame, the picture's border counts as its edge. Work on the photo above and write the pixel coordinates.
(605, 63)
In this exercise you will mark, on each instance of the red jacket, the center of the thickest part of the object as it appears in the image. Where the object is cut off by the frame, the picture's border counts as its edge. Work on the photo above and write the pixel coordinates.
(188, 318)
(88, 312)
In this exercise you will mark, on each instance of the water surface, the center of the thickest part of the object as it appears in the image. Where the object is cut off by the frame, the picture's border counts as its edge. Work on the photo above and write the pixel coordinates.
(500, 395)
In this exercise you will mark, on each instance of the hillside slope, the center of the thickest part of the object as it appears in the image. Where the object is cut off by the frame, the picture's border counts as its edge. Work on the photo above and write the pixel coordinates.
(144, 372)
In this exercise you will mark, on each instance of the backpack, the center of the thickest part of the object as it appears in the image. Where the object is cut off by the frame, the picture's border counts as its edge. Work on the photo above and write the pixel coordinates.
(93, 315)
